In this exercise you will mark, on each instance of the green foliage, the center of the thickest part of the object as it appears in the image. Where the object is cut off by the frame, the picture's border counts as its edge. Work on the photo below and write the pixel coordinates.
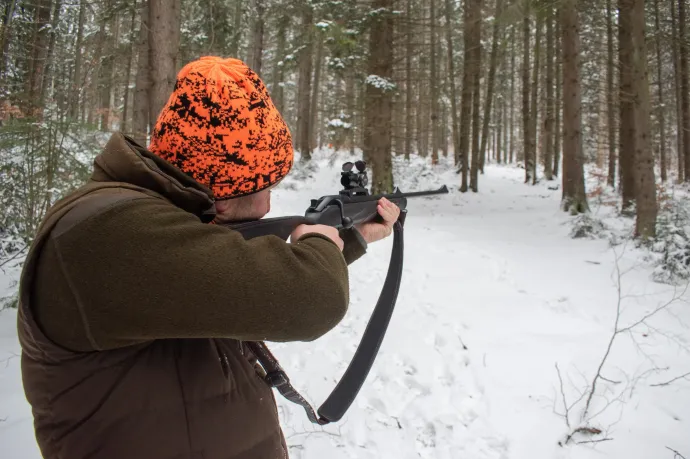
(40, 162)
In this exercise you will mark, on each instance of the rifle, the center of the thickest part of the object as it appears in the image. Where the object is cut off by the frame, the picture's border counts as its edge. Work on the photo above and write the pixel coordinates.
(353, 205)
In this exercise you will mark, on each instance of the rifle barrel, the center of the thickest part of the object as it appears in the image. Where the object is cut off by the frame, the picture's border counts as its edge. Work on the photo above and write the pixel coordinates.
(442, 190)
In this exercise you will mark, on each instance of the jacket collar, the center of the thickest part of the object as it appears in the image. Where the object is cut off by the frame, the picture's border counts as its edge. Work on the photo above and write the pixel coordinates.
(124, 160)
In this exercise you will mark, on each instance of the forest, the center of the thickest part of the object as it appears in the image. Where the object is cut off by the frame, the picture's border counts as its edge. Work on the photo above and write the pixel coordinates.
(552, 86)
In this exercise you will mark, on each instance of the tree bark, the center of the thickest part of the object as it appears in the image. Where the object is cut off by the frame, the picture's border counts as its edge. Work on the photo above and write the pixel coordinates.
(164, 40)
(645, 185)
(526, 122)
(548, 123)
(409, 84)
(76, 81)
(610, 104)
(512, 94)
(128, 72)
(277, 92)
(433, 84)
(304, 85)
(466, 103)
(314, 110)
(39, 52)
(50, 55)
(141, 112)
(534, 116)
(660, 90)
(237, 28)
(5, 37)
(105, 74)
(627, 106)
(378, 100)
(684, 88)
(679, 105)
(258, 36)
(476, 74)
(574, 198)
(493, 61)
(557, 137)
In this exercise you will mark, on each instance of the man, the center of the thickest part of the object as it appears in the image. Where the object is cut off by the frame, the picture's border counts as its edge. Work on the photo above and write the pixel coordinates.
(135, 308)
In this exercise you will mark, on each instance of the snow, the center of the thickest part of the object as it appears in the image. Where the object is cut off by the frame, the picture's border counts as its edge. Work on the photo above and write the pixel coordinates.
(495, 294)
(380, 82)
(338, 123)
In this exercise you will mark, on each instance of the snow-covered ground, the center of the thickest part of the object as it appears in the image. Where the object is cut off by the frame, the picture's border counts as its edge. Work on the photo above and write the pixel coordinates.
(495, 294)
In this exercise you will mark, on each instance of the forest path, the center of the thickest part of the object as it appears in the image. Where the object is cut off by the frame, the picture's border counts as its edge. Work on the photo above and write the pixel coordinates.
(495, 293)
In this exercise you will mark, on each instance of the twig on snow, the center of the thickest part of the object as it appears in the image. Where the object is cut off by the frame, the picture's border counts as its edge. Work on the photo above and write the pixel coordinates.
(593, 441)
(676, 454)
(565, 404)
(672, 380)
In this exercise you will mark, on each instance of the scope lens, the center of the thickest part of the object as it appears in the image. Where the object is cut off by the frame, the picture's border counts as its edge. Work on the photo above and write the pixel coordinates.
(347, 167)
(360, 165)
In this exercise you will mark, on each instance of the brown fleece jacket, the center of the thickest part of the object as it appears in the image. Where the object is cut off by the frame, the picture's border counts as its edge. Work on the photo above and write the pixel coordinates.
(143, 266)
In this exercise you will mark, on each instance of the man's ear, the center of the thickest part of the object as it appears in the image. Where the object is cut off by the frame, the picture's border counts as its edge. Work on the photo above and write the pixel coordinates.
(222, 205)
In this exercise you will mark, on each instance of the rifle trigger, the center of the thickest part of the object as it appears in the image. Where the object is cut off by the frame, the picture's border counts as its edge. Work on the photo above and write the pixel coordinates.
(346, 221)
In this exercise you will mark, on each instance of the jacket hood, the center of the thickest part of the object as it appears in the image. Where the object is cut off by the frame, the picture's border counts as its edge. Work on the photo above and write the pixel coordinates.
(124, 160)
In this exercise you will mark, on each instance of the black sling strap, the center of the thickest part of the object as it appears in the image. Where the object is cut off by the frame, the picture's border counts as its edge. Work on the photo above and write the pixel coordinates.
(348, 387)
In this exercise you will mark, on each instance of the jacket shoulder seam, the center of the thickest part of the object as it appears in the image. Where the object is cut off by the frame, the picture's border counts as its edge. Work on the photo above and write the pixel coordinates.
(55, 236)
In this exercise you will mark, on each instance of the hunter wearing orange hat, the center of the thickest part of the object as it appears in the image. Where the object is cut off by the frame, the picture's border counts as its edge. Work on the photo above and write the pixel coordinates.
(134, 310)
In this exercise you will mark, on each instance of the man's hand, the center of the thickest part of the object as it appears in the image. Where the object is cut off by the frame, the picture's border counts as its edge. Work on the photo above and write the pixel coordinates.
(374, 231)
(325, 230)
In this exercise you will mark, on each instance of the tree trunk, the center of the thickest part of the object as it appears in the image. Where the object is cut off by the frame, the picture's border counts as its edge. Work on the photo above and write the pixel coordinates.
(679, 105)
(557, 137)
(476, 74)
(237, 28)
(433, 84)
(548, 123)
(76, 81)
(512, 94)
(660, 89)
(684, 88)
(128, 72)
(466, 103)
(258, 36)
(105, 82)
(351, 106)
(378, 100)
(141, 112)
(5, 37)
(314, 110)
(645, 185)
(277, 92)
(627, 106)
(50, 55)
(534, 116)
(409, 84)
(610, 104)
(39, 55)
(526, 122)
(574, 197)
(164, 40)
(304, 89)
(488, 102)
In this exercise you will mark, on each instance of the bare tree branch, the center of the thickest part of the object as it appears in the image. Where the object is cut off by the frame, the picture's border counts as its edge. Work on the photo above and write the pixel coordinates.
(672, 380)
(565, 404)
(593, 441)
(676, 454)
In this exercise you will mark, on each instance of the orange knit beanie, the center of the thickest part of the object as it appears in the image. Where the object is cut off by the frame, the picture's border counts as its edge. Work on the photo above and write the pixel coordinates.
(221, 127)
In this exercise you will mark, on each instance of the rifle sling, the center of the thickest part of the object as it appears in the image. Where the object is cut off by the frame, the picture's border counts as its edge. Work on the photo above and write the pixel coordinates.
(356, 373)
